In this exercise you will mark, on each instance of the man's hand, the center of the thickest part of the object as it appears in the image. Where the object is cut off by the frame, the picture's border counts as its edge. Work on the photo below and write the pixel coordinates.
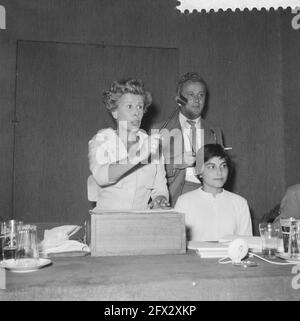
(159, 202)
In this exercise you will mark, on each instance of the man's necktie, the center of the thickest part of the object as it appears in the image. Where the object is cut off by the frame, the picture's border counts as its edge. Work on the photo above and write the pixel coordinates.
(193, 137)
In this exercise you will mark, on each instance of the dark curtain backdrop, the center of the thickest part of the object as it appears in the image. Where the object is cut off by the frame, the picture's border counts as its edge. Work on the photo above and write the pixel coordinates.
(250, 61)
(291, 97)
(59, 109)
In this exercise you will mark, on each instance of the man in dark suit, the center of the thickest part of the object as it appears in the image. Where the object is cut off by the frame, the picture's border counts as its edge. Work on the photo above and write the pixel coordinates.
(183, 135)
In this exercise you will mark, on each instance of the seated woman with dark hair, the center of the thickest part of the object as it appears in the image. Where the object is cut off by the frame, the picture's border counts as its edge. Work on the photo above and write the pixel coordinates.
(211, 212)
(125, 164)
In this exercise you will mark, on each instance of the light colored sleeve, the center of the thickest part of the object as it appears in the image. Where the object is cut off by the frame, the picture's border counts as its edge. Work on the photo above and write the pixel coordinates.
(160, 182)
(179, 206)
(244, 219)
(98, 158)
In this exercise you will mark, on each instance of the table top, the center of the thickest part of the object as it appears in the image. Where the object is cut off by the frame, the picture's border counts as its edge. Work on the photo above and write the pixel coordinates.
(182, 277)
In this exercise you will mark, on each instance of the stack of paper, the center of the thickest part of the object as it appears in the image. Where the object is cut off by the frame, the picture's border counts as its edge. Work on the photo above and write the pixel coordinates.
(100, 211)
(209, 249)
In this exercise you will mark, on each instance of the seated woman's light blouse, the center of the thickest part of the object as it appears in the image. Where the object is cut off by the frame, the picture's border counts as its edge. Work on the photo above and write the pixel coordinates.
(210, 218)
(133, 191)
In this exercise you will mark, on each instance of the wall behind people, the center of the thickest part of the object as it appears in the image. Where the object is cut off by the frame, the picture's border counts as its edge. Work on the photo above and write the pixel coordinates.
(290, 26)
(238, 54)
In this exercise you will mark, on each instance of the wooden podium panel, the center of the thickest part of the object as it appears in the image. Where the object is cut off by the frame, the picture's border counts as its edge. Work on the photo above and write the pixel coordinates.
(137, 233)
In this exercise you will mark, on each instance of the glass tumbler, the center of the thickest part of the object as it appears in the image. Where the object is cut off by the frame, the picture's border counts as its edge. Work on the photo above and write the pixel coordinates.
(269, 234)
(27, 251)
(9, 238)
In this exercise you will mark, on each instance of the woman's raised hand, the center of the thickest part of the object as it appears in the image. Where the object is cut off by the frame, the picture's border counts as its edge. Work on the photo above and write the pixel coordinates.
(149, 147)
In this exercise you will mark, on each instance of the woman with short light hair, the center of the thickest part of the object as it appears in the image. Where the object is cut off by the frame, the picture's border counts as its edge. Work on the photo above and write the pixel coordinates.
(122, 160)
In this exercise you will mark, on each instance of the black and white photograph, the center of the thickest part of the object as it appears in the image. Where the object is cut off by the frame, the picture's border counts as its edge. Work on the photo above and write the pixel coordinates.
(149, 153)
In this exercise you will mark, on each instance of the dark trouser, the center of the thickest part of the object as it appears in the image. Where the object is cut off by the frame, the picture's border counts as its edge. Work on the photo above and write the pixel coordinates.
(189, 186)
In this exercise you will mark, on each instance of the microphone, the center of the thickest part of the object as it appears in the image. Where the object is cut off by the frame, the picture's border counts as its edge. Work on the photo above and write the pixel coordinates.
(168, 120)
(181, 100)
(237, 250)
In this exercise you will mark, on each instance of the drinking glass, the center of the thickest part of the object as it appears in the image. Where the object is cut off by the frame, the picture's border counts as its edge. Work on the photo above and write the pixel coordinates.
(269, 234)
(27, 252)
(294, 241)
(8, 235)
(290, 228)
(285, 224)
(1, 239)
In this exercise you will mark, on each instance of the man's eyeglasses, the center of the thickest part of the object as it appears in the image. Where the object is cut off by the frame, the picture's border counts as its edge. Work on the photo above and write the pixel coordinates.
(192, 96)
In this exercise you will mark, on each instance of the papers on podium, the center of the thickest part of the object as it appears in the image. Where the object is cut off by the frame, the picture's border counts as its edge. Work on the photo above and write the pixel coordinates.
(99, 211)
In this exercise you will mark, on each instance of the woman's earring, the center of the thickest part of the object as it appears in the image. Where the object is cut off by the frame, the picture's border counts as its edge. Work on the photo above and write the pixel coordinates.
(114, 114)
(201, 178)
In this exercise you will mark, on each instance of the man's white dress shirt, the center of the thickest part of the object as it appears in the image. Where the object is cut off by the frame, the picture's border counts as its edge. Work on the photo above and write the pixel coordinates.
(187, 137)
